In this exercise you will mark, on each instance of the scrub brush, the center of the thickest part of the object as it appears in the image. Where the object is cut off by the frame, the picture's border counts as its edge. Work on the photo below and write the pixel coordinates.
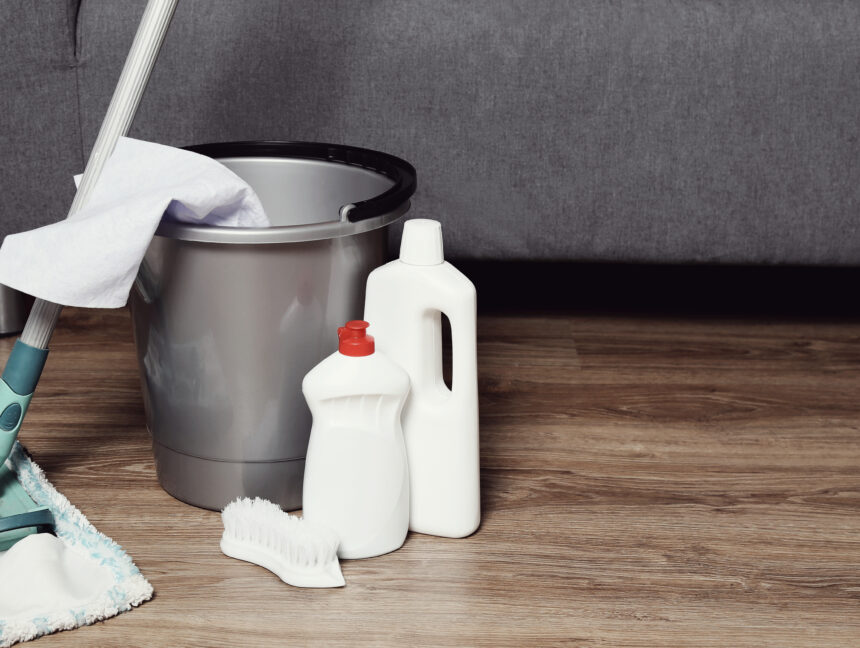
(300, 553)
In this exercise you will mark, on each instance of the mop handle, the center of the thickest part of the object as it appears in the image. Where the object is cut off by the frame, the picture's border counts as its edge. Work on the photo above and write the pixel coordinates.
(123, 105)
(25, 363)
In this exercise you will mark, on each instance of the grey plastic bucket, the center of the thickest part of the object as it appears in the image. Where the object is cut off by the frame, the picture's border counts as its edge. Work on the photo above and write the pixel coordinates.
(227, 321)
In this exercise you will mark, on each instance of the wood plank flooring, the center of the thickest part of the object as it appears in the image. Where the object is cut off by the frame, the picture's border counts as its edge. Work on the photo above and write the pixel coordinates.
(646, 481)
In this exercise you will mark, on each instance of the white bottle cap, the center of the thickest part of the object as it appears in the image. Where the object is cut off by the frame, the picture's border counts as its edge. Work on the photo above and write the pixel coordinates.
(421, 243)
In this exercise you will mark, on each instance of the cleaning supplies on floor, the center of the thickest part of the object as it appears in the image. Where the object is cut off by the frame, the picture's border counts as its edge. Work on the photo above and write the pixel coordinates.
(299, 552)
(356, 477)
(91, 258)
(75, 578)
(404, 303)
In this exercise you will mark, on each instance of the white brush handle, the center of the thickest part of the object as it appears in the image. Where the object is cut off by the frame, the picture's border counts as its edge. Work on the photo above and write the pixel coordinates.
(123, 106)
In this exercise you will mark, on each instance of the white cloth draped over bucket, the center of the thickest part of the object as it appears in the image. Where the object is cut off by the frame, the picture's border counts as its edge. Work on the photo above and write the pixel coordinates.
(91, 259)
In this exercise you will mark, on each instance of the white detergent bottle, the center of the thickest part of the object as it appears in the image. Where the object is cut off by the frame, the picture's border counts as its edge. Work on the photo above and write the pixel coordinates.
(405, 299)
(356, 476)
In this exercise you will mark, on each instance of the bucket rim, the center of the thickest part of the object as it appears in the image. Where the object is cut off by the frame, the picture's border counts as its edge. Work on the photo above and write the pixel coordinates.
(354, 218)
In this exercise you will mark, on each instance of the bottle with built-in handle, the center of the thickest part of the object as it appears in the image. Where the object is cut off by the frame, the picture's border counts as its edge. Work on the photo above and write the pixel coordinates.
(404, 303)
(356, 477)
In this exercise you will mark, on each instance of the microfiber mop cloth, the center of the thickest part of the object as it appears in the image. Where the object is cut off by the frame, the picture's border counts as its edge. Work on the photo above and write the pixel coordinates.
(91, 258)
(57, 583)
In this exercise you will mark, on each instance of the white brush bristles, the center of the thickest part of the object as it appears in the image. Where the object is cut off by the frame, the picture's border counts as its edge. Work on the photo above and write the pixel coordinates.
(299, 552)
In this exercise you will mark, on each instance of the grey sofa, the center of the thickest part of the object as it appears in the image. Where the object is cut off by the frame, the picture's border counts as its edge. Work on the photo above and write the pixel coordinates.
(670, 131)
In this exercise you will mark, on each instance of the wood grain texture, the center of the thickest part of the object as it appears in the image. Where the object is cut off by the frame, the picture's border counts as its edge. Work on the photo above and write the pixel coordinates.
(646, 482)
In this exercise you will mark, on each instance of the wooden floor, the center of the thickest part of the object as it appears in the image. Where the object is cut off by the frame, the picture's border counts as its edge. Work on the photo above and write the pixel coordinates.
(646, 481)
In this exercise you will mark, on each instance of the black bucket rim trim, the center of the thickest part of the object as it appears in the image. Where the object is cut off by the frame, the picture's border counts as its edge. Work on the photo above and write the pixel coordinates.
(397, 169)
(364, 216)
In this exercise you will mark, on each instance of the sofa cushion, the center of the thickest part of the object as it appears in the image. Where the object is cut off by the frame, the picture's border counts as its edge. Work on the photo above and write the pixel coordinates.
(635, 130)
(40, 137)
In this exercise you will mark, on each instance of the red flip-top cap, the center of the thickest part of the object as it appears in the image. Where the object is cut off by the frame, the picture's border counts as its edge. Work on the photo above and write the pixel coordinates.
(354, 340)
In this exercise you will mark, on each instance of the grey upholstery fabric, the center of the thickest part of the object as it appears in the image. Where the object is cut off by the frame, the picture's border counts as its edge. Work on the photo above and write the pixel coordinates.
(40, 140)
(608, 130)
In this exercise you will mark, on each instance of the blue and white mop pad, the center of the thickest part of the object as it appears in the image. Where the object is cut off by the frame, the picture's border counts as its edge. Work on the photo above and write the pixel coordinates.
(58, 583)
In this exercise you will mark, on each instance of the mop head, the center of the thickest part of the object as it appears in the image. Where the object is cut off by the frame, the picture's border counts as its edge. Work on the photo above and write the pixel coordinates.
(58, 583)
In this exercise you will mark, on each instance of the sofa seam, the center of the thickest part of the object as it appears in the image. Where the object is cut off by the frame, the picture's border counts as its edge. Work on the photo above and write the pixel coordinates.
(76, 43)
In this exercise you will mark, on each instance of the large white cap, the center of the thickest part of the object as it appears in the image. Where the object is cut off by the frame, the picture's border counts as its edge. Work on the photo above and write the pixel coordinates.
(421, 243)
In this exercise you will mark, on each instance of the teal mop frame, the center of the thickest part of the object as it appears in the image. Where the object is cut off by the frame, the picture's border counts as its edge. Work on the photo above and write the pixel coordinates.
(19, 515)
(23, 368)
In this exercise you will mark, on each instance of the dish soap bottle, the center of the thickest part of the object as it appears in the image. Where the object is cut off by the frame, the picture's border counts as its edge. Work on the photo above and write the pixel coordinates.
(356, 476)
(405, 300)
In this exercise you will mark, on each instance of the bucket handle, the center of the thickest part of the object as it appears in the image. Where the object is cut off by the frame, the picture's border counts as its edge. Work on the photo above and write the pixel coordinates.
(399, 170)
(399, 194)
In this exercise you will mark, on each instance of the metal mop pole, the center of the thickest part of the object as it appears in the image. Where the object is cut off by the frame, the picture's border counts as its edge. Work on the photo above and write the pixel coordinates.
(123, 106)
(28, 356)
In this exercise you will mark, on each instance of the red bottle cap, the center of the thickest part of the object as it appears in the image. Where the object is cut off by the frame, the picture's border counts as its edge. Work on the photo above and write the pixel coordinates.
(354, 340)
